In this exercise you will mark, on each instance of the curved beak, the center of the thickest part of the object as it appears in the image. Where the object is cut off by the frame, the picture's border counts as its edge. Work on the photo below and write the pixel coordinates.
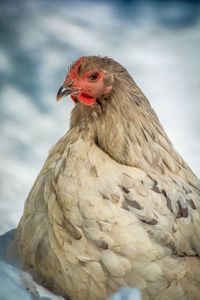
(65, 90)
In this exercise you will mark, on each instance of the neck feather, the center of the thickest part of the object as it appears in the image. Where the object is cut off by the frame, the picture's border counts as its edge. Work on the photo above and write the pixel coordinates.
(126, 127)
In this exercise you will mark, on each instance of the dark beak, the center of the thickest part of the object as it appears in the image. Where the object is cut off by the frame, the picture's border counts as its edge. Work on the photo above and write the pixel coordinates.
(65, 90)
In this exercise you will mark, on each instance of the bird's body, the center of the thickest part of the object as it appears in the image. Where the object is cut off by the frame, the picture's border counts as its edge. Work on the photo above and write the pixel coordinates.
(114, 204)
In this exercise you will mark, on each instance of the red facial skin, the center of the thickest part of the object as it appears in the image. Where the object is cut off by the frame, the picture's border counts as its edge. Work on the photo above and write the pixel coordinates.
(89, 90)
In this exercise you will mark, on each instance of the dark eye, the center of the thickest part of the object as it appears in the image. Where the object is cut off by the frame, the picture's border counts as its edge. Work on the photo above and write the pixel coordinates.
(93, 77)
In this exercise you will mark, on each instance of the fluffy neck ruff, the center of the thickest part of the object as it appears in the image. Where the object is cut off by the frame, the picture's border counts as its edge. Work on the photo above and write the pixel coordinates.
(125, 126)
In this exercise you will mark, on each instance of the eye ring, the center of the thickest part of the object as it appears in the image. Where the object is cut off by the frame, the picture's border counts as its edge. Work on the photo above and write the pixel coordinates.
(93, 77)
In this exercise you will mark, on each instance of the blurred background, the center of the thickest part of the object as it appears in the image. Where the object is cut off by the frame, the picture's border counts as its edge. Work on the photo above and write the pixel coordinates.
(157, 41)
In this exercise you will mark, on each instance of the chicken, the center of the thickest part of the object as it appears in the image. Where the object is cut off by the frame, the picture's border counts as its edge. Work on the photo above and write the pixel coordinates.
(114, 205)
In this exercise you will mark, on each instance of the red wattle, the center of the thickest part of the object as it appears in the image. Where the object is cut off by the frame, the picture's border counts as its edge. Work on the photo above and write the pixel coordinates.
(86, 99)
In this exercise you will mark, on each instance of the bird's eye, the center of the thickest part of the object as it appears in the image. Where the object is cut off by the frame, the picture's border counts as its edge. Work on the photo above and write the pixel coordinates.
(93, 77)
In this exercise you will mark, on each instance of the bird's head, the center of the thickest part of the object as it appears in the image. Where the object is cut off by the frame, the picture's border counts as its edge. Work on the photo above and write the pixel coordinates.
(88, 79)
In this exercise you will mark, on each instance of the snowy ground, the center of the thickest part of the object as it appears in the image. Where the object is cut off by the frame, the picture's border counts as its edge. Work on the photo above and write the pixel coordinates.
(158, 42)
(17, 284)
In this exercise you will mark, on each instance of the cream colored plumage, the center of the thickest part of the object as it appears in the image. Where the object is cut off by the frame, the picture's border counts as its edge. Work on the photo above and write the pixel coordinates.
(114, 204)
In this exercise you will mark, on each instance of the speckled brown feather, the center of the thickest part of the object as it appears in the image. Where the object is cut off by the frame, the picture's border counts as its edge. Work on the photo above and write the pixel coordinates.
(114, 204)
